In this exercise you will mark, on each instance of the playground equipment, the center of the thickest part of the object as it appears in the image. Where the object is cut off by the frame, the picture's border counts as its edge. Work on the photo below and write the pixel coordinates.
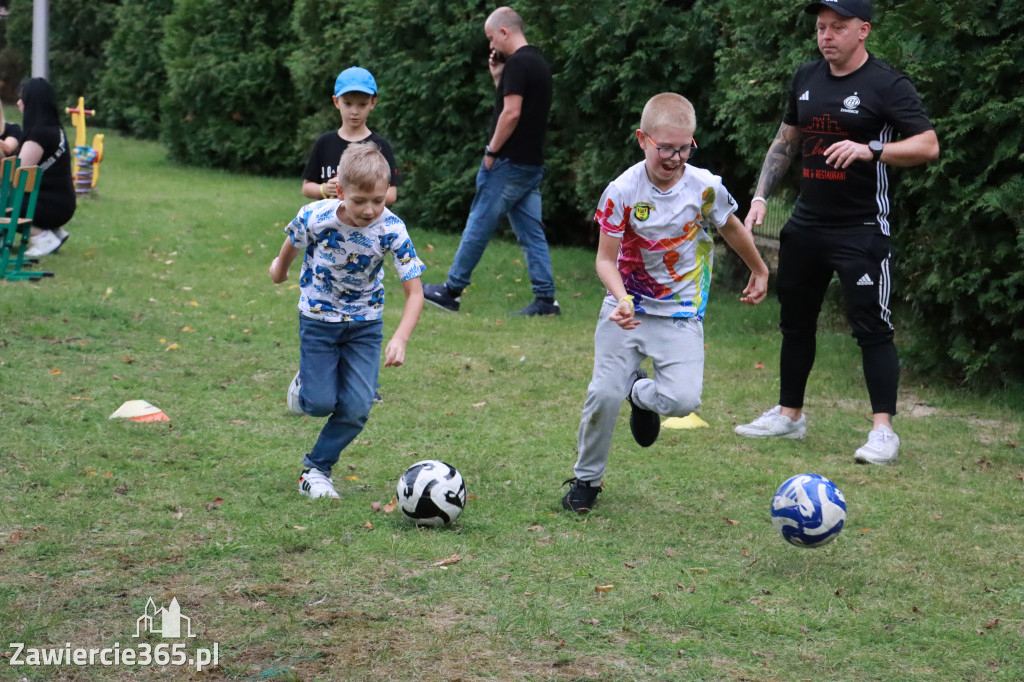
(87, 159)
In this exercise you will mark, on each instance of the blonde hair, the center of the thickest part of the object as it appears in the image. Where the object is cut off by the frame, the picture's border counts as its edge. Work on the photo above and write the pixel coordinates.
(363, 166)
(668, 110)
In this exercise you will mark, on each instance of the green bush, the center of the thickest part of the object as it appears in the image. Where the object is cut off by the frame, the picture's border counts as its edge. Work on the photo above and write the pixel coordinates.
(957, 227)
(78, 31)
(229, 101)
(134, 78)
(962, 238)
(248, 88)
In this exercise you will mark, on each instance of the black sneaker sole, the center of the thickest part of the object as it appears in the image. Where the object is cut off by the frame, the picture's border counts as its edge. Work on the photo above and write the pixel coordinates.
(442, 307)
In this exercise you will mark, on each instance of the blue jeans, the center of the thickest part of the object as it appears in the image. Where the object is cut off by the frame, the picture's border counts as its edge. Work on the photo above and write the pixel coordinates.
(338, 366)
(510, 189)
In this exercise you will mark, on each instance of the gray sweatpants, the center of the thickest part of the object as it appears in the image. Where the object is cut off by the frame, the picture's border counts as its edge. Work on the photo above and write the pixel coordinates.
(676, 344)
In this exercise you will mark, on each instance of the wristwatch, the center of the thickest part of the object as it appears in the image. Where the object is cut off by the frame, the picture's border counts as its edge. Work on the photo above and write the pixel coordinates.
(876, 147)
(488, 151)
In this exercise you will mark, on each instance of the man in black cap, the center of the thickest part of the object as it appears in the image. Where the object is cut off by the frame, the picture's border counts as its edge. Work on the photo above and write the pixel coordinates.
(844, 115)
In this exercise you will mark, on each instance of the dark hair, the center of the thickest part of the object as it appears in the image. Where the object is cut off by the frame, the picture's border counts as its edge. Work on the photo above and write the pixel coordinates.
(40, 102)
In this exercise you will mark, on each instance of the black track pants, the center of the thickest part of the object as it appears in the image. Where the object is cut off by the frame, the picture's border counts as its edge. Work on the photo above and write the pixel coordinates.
(807, 259)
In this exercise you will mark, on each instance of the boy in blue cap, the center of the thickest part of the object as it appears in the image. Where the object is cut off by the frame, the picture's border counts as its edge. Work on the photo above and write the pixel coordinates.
(355, 96)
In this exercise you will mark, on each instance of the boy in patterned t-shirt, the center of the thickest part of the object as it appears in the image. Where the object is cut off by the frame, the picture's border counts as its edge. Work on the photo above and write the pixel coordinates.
(344, 241)
(654, 256)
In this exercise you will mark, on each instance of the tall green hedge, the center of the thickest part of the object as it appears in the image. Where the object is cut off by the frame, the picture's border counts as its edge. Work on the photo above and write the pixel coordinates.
(962, 236)
(134, 78)
(249, 84)
(229, 100)
(78, 31)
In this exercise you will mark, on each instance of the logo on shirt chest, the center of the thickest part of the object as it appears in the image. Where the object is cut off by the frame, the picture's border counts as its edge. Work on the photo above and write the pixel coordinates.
(642, 211)
(850, 104)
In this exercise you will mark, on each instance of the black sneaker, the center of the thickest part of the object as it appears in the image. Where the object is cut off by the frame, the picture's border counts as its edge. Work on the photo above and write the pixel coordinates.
(539, 307)
(439, 295)
(581, 495)
(645, 424)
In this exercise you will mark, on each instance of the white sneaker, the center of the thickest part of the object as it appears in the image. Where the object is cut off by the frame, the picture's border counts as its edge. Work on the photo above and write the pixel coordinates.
(62, 235)
(314, 483)
(293, 396)
(42, 244)
(774, 423)
(882, 447)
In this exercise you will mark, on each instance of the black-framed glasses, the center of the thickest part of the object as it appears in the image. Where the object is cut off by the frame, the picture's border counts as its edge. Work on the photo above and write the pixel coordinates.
(667, 153)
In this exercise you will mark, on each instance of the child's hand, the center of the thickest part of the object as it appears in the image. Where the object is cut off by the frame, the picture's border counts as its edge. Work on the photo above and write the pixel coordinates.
(757, 287)
(331, 187)
(624, 314)
(394, 354)
(277, 274)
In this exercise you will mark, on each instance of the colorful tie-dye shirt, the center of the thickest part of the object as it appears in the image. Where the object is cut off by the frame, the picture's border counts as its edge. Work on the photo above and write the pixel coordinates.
(342, 272)
(666, 250)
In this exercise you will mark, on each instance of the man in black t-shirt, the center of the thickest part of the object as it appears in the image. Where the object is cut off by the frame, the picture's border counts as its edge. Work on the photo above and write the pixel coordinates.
(508, 182)
(844, 116)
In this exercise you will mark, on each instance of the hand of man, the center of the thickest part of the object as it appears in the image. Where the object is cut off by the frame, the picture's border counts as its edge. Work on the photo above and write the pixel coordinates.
(843, 153)
(755, 216)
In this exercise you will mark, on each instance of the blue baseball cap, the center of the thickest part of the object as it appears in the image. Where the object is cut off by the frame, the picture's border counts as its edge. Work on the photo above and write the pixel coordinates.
(844, 8)
(355, 79)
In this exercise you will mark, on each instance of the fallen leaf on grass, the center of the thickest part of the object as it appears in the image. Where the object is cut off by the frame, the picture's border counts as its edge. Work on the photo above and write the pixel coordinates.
(601, 589)
(730, 521)
(173, 346)
(391, 506)
(55, 371)
(214, 503)
(352, 478)
(368, 525)
(759, 365)
(992, 624)
(480, 404)
(590, 621)
(186, 328)
(453, 559)
(299, 527)
(375, 506)
(121, 489)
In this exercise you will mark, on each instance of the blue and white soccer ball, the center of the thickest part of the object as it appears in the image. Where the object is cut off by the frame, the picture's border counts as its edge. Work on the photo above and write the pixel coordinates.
(809, 510)
(431, 493)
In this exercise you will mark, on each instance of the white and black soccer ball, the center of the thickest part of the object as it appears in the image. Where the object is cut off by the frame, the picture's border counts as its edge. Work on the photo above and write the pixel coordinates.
(809, 510)
(431, 493)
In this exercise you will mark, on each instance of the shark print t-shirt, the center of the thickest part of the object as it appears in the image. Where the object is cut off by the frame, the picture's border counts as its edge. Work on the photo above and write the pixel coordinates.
(666, 251)
(342, 273)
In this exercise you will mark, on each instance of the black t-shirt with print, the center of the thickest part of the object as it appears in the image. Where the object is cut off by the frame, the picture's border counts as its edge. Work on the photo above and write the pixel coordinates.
(527, 74)
(875, 102)
(327, 150)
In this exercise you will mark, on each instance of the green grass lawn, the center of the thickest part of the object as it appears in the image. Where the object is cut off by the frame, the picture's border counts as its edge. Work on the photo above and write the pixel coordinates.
(162, 294)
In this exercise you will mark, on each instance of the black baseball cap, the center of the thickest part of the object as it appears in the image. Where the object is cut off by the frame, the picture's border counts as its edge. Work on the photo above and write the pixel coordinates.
(846, 8)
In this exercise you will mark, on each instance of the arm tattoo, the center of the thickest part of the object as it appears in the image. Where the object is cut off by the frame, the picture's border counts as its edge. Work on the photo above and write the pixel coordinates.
(776, 162)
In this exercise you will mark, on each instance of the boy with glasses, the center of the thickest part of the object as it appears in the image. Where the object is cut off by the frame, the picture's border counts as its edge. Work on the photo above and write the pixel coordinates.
(654, 256)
